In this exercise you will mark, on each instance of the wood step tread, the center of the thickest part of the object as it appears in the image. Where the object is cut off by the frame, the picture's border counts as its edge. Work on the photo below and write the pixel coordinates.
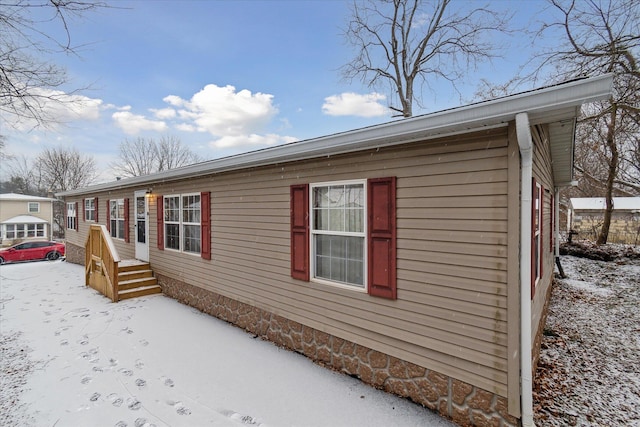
(139, 292)
(139, 280)
(141, 288)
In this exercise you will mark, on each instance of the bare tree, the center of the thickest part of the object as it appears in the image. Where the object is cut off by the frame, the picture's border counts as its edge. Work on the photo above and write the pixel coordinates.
(28, 80)
(172, 154)
(601, 37)
(144, 156)
(25, 176)
(401, 42)
(136, 157)
(66, 169)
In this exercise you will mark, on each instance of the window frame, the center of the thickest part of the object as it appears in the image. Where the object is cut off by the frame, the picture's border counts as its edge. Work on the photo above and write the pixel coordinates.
(363, 234)
(37, 207)
(72, 216)
(181, 223)
(537, 241)
(90, 209)
(13, 231)
(115, 220)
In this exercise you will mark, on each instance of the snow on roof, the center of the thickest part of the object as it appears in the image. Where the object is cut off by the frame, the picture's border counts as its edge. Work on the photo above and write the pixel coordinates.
(25, 219)
(25, 197)
(598, 203)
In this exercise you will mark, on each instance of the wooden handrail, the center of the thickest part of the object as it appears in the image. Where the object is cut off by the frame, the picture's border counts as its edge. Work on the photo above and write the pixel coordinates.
(101, 262)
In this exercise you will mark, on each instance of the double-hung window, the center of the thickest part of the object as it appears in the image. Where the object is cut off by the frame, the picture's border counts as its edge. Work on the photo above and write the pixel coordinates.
(72, 216)
(338, 230)
(90, 209)
(34, 207)
(117, 218)
(343, 233)
(182, 222)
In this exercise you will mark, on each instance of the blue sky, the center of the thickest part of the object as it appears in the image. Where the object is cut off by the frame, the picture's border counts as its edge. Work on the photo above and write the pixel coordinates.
(226, 76)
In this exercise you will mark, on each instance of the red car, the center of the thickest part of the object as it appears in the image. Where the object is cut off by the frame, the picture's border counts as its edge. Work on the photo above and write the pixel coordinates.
(29, 251)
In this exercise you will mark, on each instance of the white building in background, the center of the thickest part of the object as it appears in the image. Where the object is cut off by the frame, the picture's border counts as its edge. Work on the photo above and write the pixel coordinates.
(25, 217)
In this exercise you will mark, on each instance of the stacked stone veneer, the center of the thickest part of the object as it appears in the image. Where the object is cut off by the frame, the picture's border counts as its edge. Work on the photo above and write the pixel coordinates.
(74, 254)
(465, 404)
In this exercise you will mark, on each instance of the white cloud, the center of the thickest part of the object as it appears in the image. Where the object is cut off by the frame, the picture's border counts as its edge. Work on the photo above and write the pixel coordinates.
(353, 104)
(133, 123)
(57, 107)
(234, 118)
(164, 113)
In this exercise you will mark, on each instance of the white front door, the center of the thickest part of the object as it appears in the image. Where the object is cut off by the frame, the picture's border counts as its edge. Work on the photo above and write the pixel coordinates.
(141, 225)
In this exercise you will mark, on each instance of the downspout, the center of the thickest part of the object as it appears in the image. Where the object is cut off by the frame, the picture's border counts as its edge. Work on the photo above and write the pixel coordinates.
(525, 143)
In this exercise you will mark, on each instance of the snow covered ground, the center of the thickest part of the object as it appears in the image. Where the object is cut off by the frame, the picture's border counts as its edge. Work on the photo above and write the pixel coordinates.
(589, 370)
(70, 357)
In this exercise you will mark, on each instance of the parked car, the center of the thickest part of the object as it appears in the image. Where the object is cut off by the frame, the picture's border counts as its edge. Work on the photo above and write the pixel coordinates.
(30, 251)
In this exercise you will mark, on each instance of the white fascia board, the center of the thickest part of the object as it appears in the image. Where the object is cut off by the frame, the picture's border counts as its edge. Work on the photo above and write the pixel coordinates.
(539, 104)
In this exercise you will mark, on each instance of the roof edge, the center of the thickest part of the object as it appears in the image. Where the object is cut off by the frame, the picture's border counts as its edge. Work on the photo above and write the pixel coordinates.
(538, 103)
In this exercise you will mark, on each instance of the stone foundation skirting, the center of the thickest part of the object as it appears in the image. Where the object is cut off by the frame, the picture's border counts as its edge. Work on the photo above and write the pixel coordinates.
(74, 254)
(463, 403)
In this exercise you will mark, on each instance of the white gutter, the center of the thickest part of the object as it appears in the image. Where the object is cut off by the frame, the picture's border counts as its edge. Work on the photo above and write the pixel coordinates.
(523, 134)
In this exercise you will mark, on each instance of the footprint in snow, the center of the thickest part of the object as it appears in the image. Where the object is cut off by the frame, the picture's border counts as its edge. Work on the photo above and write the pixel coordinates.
(180, 408)
(86, 380)
(141, 383)
(125, 372)
(113, 362)
(94, 397)
(167, 381)
(144, 343)
(115, 400)
(244, 419)
(134, 404)
(121, 424)
(142, 422)
(127, 330)
(139, 364)
(64, 342)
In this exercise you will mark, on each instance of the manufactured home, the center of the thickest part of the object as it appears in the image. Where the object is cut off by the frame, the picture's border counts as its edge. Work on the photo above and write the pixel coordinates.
(416, 255)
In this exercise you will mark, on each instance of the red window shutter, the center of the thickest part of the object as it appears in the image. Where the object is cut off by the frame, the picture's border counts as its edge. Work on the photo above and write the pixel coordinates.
(76, 224)
(381, 201)
(95, 212)
(541, 229)
(126, 220)
(160, 222)
(205, 225)
(534, 196)
(108, 217)
(552, 222)
(300, 231)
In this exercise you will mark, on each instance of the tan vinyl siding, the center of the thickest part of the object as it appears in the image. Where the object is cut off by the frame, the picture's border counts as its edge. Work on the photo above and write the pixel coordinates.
(125, 250)
(543, 172)
(12, 208)
(452, 208)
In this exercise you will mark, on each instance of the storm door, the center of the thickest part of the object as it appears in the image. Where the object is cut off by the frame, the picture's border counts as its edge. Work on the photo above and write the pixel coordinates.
(141, 227)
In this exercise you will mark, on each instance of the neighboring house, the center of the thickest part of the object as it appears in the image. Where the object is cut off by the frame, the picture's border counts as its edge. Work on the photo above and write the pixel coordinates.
(24, 217)
(416, 255)
(586, 214)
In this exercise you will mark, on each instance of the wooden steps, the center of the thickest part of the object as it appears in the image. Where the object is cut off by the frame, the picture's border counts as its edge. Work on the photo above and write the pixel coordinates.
(136, 279)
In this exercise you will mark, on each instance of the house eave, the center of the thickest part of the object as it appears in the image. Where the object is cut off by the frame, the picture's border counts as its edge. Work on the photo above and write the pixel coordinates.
(547, 105)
